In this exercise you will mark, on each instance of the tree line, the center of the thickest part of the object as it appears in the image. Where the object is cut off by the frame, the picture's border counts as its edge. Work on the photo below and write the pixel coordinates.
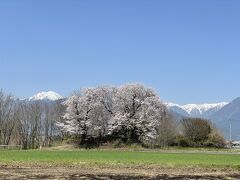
(31, 124)
(131, 113)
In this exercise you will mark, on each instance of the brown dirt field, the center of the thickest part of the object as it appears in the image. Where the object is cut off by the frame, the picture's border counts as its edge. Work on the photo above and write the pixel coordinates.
(116, 173)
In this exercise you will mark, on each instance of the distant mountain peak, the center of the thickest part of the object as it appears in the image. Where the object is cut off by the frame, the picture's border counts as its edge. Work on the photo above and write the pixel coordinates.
(49, 95)
(169, 104)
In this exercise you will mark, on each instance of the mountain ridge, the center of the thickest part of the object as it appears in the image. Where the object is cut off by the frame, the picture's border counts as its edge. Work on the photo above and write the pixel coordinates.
(196, 110)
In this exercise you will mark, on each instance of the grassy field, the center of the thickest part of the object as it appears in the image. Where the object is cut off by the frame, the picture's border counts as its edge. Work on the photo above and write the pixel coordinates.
(119, 164)
(121, 158)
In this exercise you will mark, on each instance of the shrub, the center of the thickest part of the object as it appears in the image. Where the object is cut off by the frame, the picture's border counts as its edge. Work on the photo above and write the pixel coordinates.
(215, 140)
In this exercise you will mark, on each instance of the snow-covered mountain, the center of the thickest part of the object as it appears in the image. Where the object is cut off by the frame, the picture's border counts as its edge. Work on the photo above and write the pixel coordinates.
(196, 110)
(49, 95)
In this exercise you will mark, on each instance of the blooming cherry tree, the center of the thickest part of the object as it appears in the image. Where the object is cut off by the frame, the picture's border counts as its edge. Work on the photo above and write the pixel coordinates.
(131, 112)
(138, 113)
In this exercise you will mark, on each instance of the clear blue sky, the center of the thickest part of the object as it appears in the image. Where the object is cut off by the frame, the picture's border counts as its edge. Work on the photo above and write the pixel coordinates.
(189, 51)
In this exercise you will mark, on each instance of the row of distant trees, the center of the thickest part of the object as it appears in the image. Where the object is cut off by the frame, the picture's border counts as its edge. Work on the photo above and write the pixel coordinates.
(31, 124)
(128, 114)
